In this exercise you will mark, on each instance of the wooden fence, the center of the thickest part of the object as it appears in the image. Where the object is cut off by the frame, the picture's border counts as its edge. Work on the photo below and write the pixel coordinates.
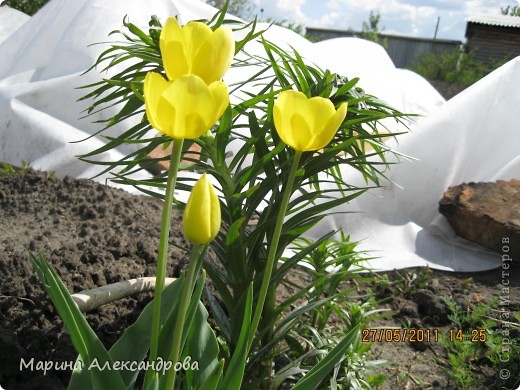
(404, 51)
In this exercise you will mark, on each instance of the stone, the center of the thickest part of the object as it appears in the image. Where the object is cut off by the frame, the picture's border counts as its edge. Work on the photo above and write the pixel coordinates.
(486, 213)
(193, 152)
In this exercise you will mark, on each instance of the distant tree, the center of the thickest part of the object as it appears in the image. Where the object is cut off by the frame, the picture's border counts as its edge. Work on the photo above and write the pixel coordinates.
(241, 8)
(511, 11)
(370, 29)
(26, 6)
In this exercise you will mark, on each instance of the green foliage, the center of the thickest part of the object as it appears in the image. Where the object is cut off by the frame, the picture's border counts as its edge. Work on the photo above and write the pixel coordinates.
(7, 169)
(370, 29)
(456, 67)
(326, 267)
(465, 355)
(319, 371)
(322, 298)
(406, 284)
(30, 7)
(84, 339)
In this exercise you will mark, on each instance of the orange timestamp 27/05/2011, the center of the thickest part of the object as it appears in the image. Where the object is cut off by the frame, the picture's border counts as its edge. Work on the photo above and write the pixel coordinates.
(421, 335)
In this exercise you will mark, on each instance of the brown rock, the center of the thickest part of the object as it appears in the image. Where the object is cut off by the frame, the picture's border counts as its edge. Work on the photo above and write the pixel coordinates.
(159, 152)
(486, 213)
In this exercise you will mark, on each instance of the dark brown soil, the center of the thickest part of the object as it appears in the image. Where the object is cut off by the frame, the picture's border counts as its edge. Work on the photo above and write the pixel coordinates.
(94, 235)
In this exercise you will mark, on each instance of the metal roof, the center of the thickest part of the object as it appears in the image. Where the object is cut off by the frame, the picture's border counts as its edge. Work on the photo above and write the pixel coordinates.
(496, 20)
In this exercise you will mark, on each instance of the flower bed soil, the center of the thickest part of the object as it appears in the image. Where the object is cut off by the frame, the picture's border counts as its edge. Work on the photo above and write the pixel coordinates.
(94, 235)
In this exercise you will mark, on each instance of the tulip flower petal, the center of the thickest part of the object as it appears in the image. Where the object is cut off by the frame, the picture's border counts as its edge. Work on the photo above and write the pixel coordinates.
(324, 109)
(336, 120)
(278, 122)
(301, 136)
(154, 87)
(178, 64)
(202, 217)
(306, 124)
(191, 99)
(196, 35)
(214, 57)
(215, 214)
(291, 118)
(220, 95)
(171, 43)
(186, 107)
(196, 49)
(320, 108)
(171, 31)
(284, 107)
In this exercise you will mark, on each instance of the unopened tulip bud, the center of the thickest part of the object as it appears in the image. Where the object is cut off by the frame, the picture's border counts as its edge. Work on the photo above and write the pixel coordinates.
(201, 221)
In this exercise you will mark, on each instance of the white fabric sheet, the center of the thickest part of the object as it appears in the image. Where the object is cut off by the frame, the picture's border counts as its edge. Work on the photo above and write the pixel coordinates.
(472, 137)
(10, 20)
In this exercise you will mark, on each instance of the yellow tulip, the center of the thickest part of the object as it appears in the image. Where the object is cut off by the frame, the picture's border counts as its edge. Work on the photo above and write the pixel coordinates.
(306, 124)
(196, 49)
(186, 107)
(201, 221)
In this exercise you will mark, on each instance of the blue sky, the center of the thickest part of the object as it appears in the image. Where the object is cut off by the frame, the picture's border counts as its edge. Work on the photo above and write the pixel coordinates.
(403, 17)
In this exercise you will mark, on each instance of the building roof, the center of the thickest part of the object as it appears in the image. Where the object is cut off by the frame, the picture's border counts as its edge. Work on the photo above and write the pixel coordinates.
(496, 20)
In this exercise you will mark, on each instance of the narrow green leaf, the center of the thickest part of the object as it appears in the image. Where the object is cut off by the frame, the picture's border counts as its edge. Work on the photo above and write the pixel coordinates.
(218, 314)
(235, 231)
(314, 377)
(85, 340)
(138, 32)
(202, 347)
(212, 381)
(235, 371)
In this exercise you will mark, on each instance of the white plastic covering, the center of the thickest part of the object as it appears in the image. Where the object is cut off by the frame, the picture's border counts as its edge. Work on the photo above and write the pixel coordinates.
(10, 21)
(472, 137)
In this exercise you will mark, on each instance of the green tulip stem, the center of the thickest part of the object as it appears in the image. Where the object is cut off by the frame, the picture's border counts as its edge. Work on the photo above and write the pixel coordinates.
(187, 291)
(163, 247)
(271, 257)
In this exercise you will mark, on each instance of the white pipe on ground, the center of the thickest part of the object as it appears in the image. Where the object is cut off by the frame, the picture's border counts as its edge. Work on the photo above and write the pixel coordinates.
(96, 297)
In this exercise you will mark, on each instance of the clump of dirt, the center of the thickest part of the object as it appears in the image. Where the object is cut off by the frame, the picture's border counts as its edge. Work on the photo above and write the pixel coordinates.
(92, 235)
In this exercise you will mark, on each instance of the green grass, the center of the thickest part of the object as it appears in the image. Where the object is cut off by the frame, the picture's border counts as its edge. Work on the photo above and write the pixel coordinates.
(8, 169)
(468, 356)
